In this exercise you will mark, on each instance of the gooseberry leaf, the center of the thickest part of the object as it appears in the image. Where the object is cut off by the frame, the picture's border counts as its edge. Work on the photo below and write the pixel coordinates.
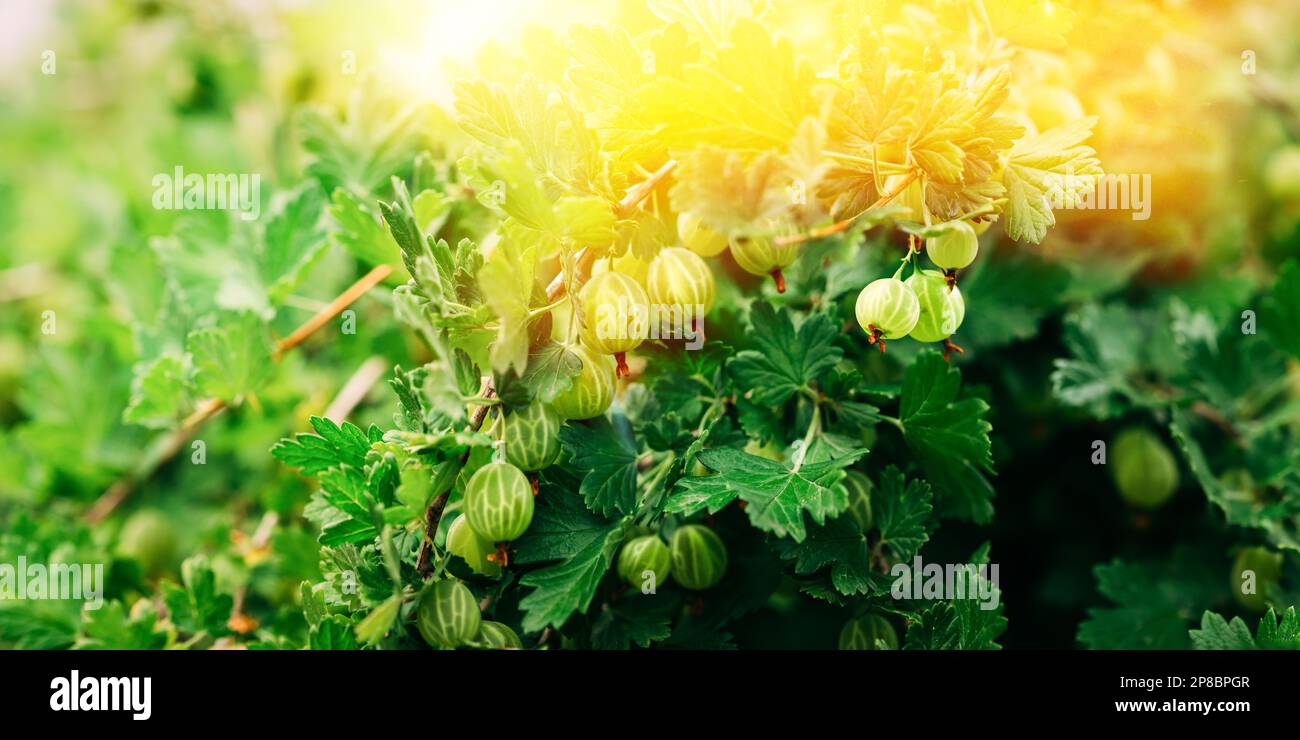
(1153, 602)
(1281, 307)
(843, 546)
(949, 436)
(1038, 165)
(231, 359)
(551, 370)
(776, 496)
(332, 445)
(784, 360)
(161, 394)
(606, 457)
(900, 510)
(561, 589)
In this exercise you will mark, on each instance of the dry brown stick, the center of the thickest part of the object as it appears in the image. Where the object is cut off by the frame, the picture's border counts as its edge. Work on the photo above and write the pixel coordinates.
(433, 514)
(840, 226)
(631, 199)
(356, 387)
(167, 446)
(335, 307)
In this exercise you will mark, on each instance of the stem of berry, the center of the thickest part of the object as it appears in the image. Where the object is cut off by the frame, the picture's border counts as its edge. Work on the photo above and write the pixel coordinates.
(622, 370)
(841, 226)
(814, 427)
(635, 194)
(165, 447)
(433, 514)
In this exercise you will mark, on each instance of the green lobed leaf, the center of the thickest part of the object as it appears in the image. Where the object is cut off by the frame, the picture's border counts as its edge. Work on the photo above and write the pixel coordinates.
(949, 437)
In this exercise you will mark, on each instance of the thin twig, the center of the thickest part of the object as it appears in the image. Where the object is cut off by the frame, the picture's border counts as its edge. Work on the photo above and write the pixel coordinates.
(433, 514)
(356, 388)
(840, 226)
(166, 447)
(335, 307)
(23, 281)
(634, 196)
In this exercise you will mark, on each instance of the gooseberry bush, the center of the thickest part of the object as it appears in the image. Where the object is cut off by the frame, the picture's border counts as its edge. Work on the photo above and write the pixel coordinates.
(677, 331)
(649, 405)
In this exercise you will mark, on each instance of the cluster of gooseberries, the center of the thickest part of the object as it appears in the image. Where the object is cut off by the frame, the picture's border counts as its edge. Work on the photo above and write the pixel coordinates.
(928, 305)
(695, 557)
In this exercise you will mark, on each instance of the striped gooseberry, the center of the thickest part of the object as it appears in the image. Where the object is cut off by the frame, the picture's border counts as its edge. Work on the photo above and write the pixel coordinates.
(615, 315)
(447, 615)
(941, 309)
(640, 555)
(955, 248)
(699, 238)
(592, 390)
(1143, 468)
(761, 255)
(699, 557)
(498, 502)
(680, 285)
(859, 487)
(466, 544)
(869, 632)
(497, 636)
(886, 309)
(532, 437)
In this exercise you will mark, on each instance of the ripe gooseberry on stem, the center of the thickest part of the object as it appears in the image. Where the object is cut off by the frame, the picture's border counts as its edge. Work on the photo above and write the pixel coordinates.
(886, 309)
(498, 502)
(149, 538)
(869, 632)
(447, 615)
(468, 545)
(760, 255)
(699, 557)
(1143, 468)
(497, 636)
(641, 554)
(941, 310)
(955, 248)
(680, 285)
(592, 390)
(699, 238)
(614, 316)
(532, 436)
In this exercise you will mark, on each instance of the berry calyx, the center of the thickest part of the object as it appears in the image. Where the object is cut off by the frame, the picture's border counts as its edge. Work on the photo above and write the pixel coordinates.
(699, 557)
(886, 309)
(760, 255)
(498, 503)
(447, 615)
